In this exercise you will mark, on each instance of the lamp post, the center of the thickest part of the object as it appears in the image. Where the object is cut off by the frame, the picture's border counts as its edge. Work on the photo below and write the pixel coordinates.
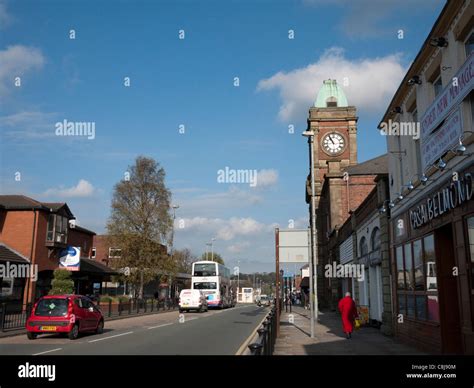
(174, 207)
(212, 248)
(313, 276)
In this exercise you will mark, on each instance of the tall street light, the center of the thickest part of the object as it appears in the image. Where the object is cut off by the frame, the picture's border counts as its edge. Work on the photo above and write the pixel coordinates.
(313, 280)
(212, 248)
(174, 207)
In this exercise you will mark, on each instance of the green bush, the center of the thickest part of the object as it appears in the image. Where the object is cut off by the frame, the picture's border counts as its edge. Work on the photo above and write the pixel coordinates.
(61, 283)
(124, 299)
(106, 299)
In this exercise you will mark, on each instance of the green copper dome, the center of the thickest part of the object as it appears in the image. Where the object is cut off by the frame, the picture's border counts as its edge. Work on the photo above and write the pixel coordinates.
(330, 95)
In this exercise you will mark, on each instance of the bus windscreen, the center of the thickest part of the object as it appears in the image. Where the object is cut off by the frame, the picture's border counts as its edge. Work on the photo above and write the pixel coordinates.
(205, 286)
(205, 270)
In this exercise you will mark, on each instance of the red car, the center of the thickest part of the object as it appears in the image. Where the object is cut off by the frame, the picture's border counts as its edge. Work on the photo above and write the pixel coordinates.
(71, 314)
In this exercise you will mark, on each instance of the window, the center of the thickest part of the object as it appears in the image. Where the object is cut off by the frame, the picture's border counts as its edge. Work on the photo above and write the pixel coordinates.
(375, 239)
(416, 280)
(437, 86)
(470, 228)
(363, 249)
(57, 228)
(418, 265)
(410, 283)
(94, 253)
(331, 102)
(400, 269)
(114, 253)
(469, 45)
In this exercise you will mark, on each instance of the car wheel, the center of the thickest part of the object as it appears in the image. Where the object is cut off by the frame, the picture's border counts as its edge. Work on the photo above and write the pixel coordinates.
(31, 335)
(74, 333)
(100, 327)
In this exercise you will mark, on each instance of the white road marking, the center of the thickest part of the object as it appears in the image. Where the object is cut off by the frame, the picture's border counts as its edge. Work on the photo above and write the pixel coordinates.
(190, 319)
(155, 327)
(47, 351)
(112, 336)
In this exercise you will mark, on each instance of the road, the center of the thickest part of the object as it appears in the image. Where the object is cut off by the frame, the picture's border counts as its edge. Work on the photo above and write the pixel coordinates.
(217, 332)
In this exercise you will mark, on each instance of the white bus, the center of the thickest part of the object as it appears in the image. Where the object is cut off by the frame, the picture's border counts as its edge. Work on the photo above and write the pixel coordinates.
(213, 279)
(247, 295)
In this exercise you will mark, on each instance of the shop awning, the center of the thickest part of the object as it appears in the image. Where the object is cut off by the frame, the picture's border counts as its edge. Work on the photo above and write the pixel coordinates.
(8, 254)
(94, 266)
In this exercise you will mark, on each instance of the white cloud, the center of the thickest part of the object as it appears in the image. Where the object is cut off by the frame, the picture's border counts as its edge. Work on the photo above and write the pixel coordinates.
(82, 189)
(267, 178)
(371, 82)
(28, 125)
(16, 61)
(239, 247)
(220, 228)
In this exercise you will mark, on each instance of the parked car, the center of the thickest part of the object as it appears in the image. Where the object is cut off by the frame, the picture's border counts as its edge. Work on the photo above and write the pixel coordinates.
(192, 300)
(264, 300)
(69, 314)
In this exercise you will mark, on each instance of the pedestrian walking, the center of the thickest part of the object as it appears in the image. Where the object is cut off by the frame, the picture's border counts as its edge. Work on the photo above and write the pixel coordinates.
(348, 310)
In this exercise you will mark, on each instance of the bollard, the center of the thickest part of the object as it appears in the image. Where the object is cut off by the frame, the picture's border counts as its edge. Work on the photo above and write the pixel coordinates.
(255, 349)
(120, 307)
(110, 307)
(129, 306)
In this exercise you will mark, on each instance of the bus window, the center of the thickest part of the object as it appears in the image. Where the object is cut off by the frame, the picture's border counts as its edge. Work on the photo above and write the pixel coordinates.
(204, 270)
(205, 285)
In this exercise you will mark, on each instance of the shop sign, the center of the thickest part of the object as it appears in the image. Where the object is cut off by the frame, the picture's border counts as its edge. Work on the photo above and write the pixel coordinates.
(442, 201)
(459, 87)
(442, 140)
(70, 258)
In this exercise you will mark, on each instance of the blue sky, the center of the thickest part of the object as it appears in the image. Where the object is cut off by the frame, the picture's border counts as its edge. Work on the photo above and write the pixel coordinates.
(190, 82)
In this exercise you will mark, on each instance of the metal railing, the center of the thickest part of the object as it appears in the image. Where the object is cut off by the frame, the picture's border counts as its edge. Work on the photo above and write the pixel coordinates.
(265, 343)
(14, 316)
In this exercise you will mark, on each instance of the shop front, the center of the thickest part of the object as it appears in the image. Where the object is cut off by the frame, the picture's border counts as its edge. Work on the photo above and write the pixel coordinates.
(433, 266)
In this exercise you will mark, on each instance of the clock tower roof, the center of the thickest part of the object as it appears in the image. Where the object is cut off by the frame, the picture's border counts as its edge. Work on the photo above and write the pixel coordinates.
(330, 95)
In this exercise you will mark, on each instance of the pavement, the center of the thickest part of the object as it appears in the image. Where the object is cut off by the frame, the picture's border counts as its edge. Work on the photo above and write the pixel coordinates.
(295, 339)
(216, 332)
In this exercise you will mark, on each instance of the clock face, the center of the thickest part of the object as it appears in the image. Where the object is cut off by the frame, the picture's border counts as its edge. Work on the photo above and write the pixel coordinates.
(333, 143)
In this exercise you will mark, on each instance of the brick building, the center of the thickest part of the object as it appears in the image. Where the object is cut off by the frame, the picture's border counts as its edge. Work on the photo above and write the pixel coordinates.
(40, 232)
(341, 183)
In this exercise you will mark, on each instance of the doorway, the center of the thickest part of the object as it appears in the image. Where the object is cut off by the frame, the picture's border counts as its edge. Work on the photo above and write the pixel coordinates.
(451, 336)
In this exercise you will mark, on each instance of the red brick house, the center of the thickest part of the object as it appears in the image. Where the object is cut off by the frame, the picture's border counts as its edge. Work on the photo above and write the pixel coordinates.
(39, 231)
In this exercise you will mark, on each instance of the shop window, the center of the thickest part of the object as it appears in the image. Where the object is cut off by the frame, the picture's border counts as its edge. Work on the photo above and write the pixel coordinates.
(418, 265)
(416, 279)
(410, 283)
(400, 269)
(411, 306)
(421, 307)
(401, 304)
(470, 228)
(430, 260)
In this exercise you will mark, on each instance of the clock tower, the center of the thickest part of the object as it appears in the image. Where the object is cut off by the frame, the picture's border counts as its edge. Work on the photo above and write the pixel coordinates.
(334, 124)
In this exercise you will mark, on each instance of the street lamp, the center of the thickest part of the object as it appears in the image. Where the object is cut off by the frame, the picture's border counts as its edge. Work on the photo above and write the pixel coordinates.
(313, 280)
(212, 248)
(174, 207)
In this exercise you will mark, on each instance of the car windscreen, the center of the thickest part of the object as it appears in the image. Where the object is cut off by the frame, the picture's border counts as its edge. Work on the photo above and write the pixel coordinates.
(205, 270)
(205, 286)
(52, 307)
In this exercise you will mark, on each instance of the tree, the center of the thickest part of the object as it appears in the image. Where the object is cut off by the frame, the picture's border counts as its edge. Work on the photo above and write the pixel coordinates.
(140, 223)
(183, 260)
(216, 257)
(62, 282)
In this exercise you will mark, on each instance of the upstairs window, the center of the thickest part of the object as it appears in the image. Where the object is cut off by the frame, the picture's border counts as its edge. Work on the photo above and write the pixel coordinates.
(115, 253)
(57, 229)
(94, 252)
(437, 86)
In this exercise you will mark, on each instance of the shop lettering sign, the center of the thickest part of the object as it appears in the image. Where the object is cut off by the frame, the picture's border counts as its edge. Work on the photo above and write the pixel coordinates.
(442, 201)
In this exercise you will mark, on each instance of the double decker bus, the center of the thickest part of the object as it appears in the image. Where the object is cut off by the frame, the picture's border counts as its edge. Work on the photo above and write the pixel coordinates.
(213, 279)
